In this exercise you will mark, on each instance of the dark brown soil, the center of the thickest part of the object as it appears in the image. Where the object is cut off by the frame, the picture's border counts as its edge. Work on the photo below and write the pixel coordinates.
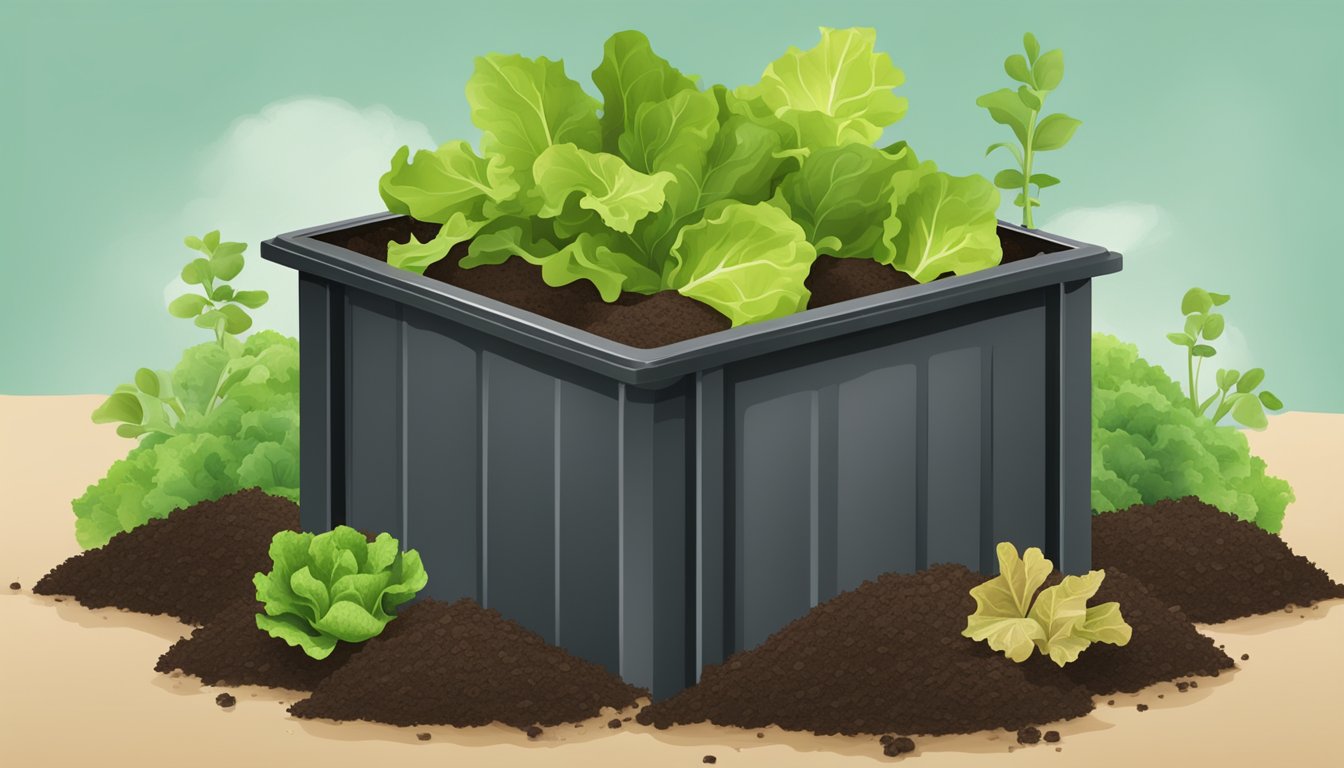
(636, 320)
(885, 657)
(225, 700)
(230, 650)
(191, 564)
(462, 665)
(1210, 564)
(1029, 735)
(1164, 646)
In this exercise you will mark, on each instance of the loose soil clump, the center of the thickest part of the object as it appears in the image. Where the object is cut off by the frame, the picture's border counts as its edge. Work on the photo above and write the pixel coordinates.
(885, 657)
(191, 564)
(1210, 564)
(460, 664)
(1164, 645)
(231, 650)
(634, 319)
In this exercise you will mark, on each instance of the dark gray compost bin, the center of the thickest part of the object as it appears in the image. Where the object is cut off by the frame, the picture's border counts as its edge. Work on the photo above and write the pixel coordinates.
(655, 510)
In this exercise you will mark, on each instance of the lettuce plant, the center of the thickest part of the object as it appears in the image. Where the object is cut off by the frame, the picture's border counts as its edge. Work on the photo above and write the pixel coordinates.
(723, 195)
(1149, 444)
(1020, 109)
(334, 587)
(1203, 325)
(1013, 618)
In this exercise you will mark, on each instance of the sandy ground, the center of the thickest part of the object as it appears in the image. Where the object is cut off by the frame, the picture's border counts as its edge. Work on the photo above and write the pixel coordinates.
(78, 686)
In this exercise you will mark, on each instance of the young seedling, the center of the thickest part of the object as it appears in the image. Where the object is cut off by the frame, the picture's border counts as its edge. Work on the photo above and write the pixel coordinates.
(1236, 393)
(1020, 110)
(149, 404)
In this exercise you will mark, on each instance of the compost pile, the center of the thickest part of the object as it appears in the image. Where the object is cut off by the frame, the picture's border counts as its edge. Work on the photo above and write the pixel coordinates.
(1210, 564)
(231, 650)
(887, 657)
(191, 564)
(461, 664)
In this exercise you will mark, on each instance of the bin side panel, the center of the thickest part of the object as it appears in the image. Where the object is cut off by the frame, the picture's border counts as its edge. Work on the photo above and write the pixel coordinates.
(1074, 312)
(1018, 435)
(321, 403)
(373, 466)
(442, 449)
(876, 500)
(673, 588)
(776, 507)
(587, 591)
(519, 504)
(955, 394)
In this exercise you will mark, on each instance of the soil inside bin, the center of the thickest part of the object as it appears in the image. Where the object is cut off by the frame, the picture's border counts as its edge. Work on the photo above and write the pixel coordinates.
(191, 564)
(634, 319)
(1211, 565)
(463, 665)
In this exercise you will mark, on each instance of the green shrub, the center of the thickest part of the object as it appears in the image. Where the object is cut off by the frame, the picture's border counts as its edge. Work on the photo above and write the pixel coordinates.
(1147, 445)
(335, 586)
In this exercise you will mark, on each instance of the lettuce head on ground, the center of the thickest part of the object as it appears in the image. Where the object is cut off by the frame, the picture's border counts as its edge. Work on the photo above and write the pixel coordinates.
(1147, 445)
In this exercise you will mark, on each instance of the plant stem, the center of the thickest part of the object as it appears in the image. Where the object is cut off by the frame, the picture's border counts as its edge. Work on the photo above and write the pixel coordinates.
(1194, 390)
(1190, 373)
(1026, 171)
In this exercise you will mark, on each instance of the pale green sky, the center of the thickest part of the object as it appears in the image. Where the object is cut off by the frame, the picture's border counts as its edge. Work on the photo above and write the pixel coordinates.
(1209, 151)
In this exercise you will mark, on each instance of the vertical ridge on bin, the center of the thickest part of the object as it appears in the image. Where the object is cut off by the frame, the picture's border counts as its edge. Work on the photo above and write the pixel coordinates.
(483, 424)
(635, 526)
(954, 439)
(1018, 429)
(374, 433)
(321, 403)
(922, 465)
(813, 498)
(555, 512)
(1075, 435)
(988, 560)
(826, 482)
(710, 473)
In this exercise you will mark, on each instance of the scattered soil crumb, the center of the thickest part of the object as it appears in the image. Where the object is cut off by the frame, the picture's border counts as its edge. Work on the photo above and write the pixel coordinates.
(225, 700)
(1028, 735)
(710, 759)
(15, 585)
(1245, 657)
(1142, 707)
(898, 746)
(1051, 736)
(423, 736)
(614, 724)
(533, 732)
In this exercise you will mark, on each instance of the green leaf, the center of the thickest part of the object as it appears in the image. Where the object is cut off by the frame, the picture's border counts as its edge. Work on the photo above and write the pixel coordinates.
(1213, 326)
(1250, 380)
(1203, 350)
(222, 292)
(1032, 47)
(1054, 132)
(1002, 603)
(1017, 68)
(839, 92)
(1219, 299)
(1013, 148)
(1181, 339)
(193, 243)
(1008, 179)
(523, 106)
(147, 381)
(842, 198)
(1226, 379)
(120, 406)
(130, 430)
(632, 76)
(296, 632)
(1043, 180)
(1270, 401)
(236, 319)
(211, 241)
(1193, 325)
(188, 305)
(1248, 411)
(415, 256)
(1196, 300)
(747, 261)
(449, 181)
(590, 257)
(673, 135)
(225, 265)
(1049, 70)
(197, 271)
(948, 224)
(1006, 108)
(1061, 611)
(1030, 99)
(620, 195)
(251, 299)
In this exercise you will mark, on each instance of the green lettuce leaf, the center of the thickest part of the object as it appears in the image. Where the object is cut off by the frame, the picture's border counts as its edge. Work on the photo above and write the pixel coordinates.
(843, 199)
(415, 256)
(747, 261)
(839, 92)
(523, 106)
(449, 182)
(632, 76)
(591, 256)
(334, 587)
(948, 224)
(618, 194)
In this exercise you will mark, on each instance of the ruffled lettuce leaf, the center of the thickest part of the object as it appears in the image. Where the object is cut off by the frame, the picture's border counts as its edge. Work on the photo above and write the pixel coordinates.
(591, 256)
(630, 77)
(948, 224)
(843, 199)
(448, 182)
(618, 194)
(747, 261)
(415, 256)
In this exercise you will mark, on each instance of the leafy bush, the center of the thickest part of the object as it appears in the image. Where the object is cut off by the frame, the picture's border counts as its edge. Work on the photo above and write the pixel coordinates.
(224, 419)
(334, 586)
(1013, 618)
(724, 195)
(1148, 444)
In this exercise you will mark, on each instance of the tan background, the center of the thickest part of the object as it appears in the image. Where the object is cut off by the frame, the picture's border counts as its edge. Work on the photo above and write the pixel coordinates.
(78, 686)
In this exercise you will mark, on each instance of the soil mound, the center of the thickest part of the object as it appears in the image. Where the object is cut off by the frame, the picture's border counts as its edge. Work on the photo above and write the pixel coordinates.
(230, 650)
(887, 657)
(1164, 646)
(191, 564)
(1210, 564)
(460, 664)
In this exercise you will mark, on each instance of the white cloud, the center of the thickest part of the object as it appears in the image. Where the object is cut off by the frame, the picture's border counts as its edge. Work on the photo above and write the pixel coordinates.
(297, 163)
(1120, 227)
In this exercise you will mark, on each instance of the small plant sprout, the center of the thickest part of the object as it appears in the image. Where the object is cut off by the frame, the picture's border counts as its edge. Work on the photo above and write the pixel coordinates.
(1013, 618)
(1236, 393)
(1021, 109)
(218, 307)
